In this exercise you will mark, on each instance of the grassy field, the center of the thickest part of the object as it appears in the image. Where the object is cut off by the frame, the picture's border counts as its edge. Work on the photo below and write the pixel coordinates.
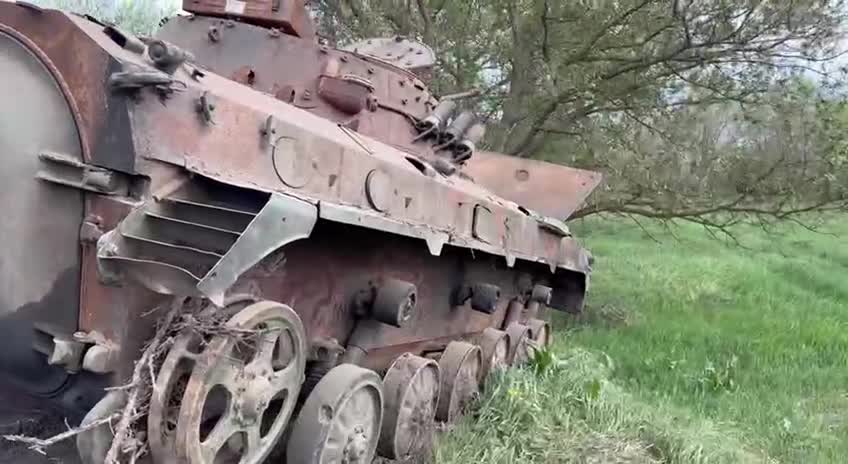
(690, 350)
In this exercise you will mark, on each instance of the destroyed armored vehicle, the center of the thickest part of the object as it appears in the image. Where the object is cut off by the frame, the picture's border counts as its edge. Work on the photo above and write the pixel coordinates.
(367, 265)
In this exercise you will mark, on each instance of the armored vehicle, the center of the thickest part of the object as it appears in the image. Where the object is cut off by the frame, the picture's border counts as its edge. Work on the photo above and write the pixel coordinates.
(368, 265)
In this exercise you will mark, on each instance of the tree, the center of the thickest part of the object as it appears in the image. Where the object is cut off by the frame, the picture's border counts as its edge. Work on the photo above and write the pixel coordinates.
(136, 16)
(723, 164)
(641, 89)
(696, 109)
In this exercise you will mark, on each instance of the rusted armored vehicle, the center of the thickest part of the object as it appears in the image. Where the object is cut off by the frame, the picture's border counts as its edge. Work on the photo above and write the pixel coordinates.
(321, 202)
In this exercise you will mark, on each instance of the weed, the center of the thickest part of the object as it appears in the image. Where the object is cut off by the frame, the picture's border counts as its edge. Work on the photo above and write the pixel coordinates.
(718, 379)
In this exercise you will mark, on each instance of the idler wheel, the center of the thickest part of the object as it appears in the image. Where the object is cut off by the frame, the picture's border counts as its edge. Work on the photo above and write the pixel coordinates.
(340, 420)
(243, 388)
(494, 345)
(171, 381)
(519, 344)
(540, 332)
(460, 365)
(411, 388)
(167, 395)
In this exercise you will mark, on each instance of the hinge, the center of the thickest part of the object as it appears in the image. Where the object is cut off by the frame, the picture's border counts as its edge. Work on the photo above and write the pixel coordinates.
(69, 171)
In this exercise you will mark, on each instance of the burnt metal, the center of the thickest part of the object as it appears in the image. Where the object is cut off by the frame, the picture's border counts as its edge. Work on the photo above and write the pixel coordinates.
(340, 420)
(400, 51)
(324, 355)
(261, 381)
(271, 165)
(435, 121)
(484, 297)
(101, 359)
(460, 366)
(464, 149)
(494, 348)
(457, 128)
(541, 294)
(281, 221)
(66, 353)
(69, 171)
(206, 108)
(411, 387)
(325, 350)
(90, 231)
(519, 344)
(395, 303)
(540, 332)
(167, 57)
(164, 403)
(124, 39)
(550, 189)
(134, 80)
(30, 6)
(289, 15)
(173, 376)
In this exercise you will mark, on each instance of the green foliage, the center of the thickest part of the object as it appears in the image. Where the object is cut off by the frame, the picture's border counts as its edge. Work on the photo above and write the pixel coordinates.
(751, 335)
(718, 378)
(574, 413)
(543, 360)
(738, 355)
(136, 16)
(692, 109)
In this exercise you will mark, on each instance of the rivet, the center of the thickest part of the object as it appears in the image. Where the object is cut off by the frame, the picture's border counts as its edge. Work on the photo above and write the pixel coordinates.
(214, 34)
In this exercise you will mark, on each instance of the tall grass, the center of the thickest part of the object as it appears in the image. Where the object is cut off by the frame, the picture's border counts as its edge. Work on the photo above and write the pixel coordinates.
(691, 350)
(575, 413)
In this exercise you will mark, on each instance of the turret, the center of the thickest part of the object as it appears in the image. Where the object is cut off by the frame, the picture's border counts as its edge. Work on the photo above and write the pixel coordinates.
(376, 87)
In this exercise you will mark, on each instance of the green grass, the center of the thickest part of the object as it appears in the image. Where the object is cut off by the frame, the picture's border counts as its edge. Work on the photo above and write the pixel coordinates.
(690, 350)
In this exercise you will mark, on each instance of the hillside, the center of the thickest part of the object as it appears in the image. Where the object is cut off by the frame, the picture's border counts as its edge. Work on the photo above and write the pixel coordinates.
(691, 350)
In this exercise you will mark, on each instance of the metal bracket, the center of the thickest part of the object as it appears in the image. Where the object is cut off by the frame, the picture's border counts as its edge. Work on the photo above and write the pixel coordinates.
(283, 220)
(69, 171)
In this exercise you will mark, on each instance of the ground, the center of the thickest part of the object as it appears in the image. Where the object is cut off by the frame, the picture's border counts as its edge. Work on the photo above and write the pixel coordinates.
(21, 414)
(691, 350)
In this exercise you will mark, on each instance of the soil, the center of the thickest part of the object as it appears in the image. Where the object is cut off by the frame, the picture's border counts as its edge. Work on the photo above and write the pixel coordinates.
(22, 414)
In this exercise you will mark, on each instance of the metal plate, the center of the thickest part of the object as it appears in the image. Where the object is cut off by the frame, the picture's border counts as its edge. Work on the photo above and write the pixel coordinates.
(40, 262)
(548, 188)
